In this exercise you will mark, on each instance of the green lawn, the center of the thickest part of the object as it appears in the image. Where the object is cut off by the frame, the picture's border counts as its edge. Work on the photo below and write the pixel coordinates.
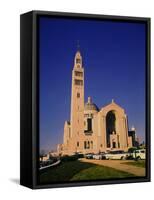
(76, 170)
(139, 163)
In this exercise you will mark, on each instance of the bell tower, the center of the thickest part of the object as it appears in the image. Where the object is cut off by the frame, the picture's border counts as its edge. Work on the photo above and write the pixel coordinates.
(77, 98)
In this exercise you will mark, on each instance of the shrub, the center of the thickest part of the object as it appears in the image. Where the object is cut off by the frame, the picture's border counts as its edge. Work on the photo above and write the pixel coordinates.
(80, 155)
(69, 158)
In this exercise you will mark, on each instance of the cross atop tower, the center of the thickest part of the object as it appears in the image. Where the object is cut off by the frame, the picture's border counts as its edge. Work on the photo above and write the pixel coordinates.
(78, 45)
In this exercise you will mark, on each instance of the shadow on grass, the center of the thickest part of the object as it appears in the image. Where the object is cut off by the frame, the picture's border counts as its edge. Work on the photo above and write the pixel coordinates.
(76, 170)
(63, 172)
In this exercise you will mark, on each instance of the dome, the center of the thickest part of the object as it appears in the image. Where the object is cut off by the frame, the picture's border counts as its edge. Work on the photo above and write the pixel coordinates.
(90, 105)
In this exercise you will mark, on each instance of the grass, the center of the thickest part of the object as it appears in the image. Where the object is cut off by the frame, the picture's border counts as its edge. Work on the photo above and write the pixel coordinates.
(140, 163)
(76, 170)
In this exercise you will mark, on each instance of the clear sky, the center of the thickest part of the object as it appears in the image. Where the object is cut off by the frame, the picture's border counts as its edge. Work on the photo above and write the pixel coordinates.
(114, 62)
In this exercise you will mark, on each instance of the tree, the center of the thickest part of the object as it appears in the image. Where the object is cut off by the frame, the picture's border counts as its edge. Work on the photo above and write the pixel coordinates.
(132, 149)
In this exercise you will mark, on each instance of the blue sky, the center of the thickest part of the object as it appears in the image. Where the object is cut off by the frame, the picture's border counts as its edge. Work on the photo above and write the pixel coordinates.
(114, 62)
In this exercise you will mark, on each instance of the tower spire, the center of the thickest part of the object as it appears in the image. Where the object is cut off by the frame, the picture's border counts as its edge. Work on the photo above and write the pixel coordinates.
(77, 96)
(78, 60)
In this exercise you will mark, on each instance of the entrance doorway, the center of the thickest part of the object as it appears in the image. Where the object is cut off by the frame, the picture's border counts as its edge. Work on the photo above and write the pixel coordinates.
(113, 144)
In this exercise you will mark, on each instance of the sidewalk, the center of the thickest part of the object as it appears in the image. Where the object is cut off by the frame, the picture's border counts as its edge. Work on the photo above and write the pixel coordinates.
(119, 165)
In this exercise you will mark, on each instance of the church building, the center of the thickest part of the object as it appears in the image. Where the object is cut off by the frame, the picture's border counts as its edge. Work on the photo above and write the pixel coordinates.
(92, 129)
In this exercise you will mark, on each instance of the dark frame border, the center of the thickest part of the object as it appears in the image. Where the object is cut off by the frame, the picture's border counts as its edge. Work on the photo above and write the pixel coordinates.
(35, 97)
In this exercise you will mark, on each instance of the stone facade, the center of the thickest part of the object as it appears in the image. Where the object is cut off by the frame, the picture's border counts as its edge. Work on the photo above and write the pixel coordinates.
(92, 129)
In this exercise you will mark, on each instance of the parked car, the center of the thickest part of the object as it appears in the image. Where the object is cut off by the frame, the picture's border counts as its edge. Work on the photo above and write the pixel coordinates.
(116, 155)
(99, 156)
(139, 154)
(89, 155)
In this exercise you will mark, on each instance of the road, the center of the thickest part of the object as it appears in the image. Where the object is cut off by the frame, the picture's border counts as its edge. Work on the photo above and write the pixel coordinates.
(119, 165)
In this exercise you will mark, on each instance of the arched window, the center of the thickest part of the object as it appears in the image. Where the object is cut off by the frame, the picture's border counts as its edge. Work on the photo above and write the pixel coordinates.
(110, 126)
(88, 146)
(89, 122)
(77, 144)
(78, 95)
(78, 60)
(85, 145)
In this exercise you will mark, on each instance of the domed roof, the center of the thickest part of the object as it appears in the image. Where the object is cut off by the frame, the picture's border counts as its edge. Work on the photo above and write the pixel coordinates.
(90, 105)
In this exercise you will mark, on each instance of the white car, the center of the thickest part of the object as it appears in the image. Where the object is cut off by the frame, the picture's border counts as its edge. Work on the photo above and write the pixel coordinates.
(99, 156)
(89, 155)
(139, 154)
(116, 155)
